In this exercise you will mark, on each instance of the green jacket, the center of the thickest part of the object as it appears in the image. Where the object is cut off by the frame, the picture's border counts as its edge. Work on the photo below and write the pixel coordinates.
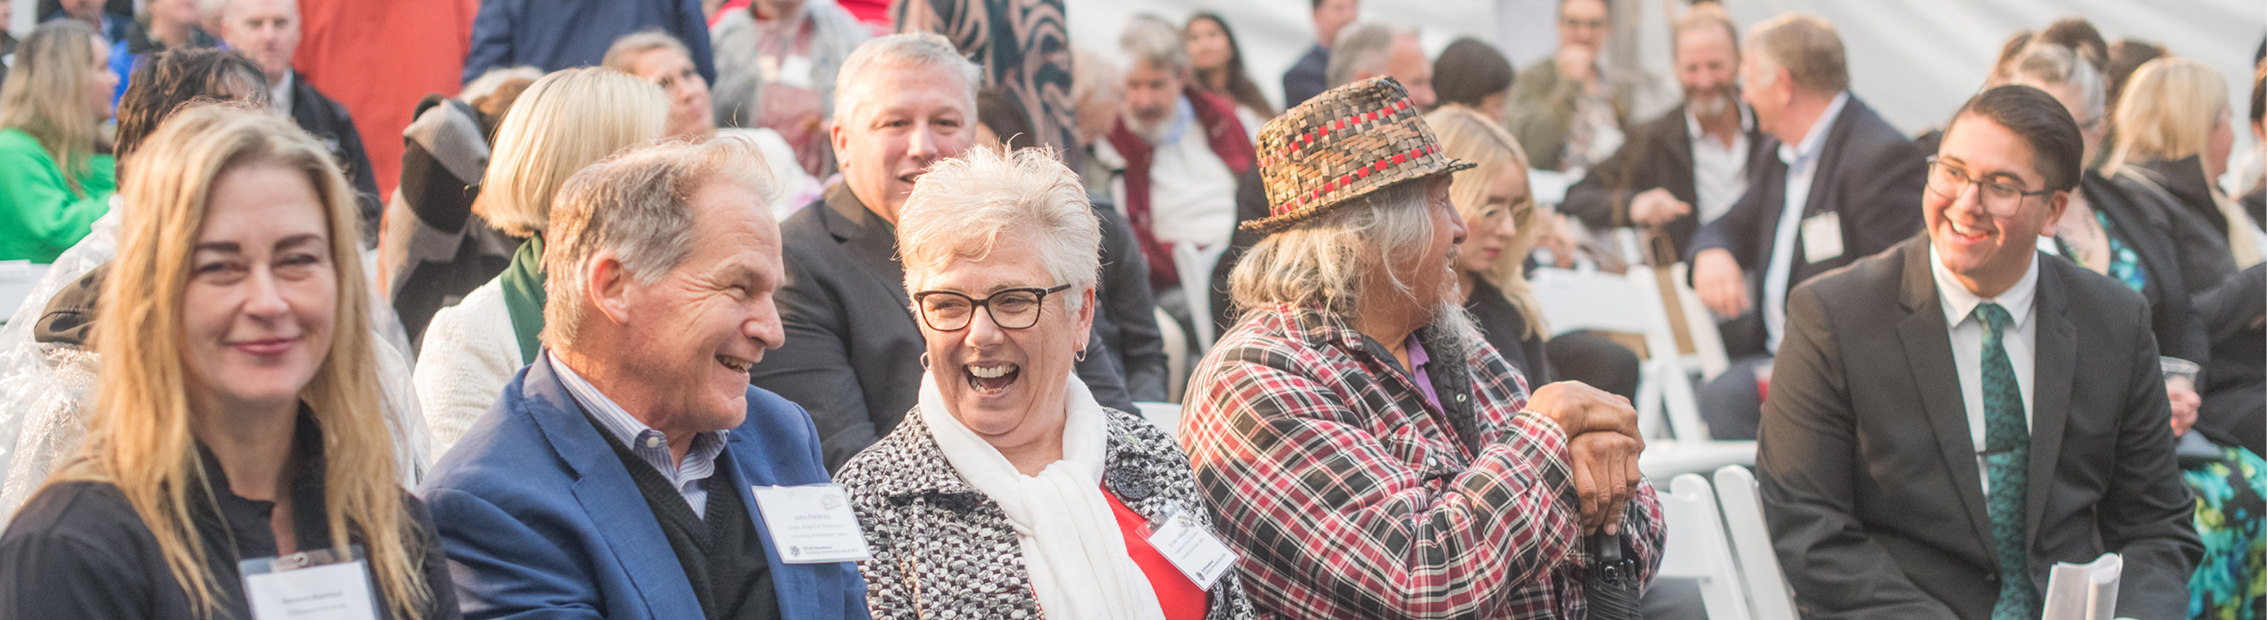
(1542, 109)
(39, 214)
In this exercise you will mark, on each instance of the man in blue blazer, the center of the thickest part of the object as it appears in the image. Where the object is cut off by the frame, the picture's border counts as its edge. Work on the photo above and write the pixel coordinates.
(617, 477)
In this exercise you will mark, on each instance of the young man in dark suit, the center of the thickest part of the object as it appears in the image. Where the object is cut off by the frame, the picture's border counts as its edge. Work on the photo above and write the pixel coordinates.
(1950, 418)
(1842, 186)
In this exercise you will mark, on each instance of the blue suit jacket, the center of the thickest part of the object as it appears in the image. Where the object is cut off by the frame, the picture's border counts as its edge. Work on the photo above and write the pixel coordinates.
(541, 520)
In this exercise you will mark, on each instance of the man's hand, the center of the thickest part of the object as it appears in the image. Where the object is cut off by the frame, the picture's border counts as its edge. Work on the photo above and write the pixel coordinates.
(1577, 63)
(1716, 277)
(1655, 207)
(1603, 443)
(2181, 390)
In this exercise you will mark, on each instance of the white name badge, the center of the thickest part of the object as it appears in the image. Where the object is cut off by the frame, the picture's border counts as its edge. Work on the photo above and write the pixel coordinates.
(796, 71)
(310, 585)
(1192, 548)
(812, 524)
(1822, 237)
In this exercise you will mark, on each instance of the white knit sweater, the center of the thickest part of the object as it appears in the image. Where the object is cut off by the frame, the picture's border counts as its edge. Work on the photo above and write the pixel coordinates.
(470, 354)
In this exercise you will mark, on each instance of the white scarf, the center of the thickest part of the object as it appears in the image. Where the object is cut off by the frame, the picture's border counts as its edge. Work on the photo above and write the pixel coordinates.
(1072, 546)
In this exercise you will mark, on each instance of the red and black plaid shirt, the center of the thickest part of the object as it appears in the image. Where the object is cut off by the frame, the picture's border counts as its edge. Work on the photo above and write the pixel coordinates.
(1351, 496)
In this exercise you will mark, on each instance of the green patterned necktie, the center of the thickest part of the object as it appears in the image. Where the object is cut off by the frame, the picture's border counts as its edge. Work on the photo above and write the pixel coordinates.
(2007, 455)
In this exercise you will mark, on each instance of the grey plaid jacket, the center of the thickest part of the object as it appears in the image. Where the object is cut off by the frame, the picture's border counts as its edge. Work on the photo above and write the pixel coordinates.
(944, 551)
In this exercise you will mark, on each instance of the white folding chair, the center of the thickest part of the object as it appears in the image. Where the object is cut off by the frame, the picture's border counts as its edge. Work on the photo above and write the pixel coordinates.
(1696, 549)
(1178, 360)
(1700, 325)
(1195, 266)
(1767, 588)
(1629, 303)
(1166, 416)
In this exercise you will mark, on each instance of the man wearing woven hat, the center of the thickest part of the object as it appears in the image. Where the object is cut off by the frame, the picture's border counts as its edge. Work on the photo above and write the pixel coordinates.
(1366, 452)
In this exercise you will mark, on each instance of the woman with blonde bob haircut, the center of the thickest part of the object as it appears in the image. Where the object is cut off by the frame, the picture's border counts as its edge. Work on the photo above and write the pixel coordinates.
(2175, 129)
(562, 123)
(238, 416)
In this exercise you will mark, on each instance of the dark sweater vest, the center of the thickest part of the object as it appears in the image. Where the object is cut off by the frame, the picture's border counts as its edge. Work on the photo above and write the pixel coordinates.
(723, 555)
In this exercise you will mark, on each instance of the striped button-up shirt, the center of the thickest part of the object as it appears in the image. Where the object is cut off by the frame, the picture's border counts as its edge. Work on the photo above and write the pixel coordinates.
(650, 445)
(1349, 495)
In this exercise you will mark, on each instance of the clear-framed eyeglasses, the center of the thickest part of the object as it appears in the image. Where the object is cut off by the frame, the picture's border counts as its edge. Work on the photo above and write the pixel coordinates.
(1015, 308)
(1999, 198)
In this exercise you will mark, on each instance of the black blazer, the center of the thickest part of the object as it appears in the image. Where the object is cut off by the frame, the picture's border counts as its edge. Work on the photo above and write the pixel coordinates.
(328, 120)
(1658, 155)
(853, 352)
(1868, 174)
(1868, 471)
(2139, 219)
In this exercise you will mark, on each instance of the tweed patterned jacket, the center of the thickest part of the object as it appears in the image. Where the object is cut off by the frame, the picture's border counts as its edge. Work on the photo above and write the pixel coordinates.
(1349, 495)
(944, 551)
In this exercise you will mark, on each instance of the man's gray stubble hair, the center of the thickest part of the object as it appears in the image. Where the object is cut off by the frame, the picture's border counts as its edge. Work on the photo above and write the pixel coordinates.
(638, 204)
(925, 49)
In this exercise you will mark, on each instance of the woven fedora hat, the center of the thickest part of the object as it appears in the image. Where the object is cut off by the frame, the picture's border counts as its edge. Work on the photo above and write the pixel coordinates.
(1343, 145)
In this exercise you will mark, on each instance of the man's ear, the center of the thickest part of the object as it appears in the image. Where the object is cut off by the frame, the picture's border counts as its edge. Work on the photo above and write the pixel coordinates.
(840, 139)
(2055, 206)
(608, 284)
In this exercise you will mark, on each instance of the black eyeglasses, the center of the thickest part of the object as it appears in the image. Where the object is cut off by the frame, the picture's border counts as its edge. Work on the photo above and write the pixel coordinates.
(1999, 198)
(1015, 308)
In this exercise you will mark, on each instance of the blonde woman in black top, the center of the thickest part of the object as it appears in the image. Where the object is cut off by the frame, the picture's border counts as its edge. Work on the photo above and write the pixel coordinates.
(238, 417)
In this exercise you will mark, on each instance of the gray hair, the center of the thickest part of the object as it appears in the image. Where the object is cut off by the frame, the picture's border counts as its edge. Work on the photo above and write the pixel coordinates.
(924, 49)
(2056, 64)
(637, 204)
(218, 9)
(1324, 260)
(1092, 76)
(1363, 48)
(623, 54)
(1152, 40)
(963, 207)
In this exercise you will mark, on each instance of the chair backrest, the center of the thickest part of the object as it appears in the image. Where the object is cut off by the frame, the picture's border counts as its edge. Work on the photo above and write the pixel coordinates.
(1195, 266)
(1751, 543)
(1699, 323)
(1165, 416)
(1628, 303)
(1696, 548)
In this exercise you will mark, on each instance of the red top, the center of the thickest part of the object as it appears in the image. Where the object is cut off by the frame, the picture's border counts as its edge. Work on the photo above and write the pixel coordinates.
(1180, 598)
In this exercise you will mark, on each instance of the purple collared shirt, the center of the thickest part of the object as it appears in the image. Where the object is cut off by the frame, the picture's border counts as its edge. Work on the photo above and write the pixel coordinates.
(1417, 359)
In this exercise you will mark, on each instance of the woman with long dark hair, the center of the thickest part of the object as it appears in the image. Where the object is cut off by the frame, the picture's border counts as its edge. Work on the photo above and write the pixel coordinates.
(1219, 63)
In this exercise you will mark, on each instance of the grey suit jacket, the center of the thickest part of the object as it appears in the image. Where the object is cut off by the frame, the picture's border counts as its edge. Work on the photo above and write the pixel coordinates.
(1868, 471)
(1868, 174)
(853, 353)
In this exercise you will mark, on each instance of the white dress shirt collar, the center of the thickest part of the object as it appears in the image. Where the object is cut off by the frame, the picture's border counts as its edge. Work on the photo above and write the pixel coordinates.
(1692, 121)
(1959, 302)
(1801, 155)
(648, 444)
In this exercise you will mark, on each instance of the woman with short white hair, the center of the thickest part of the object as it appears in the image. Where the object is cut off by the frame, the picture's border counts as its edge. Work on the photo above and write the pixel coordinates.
(1008, 490)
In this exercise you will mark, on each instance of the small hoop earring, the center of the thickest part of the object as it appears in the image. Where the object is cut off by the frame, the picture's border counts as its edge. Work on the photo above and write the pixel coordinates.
(924, 360)
(1081, 355)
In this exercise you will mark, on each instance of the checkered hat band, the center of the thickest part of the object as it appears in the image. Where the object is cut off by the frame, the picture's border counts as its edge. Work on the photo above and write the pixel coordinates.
(1347, 180)
(1392, 113)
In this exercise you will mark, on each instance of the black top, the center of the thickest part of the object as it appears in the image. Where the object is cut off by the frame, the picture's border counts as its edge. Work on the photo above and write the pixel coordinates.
(78, 549)
(721, 554)
(329, 122)
(1502, 324)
